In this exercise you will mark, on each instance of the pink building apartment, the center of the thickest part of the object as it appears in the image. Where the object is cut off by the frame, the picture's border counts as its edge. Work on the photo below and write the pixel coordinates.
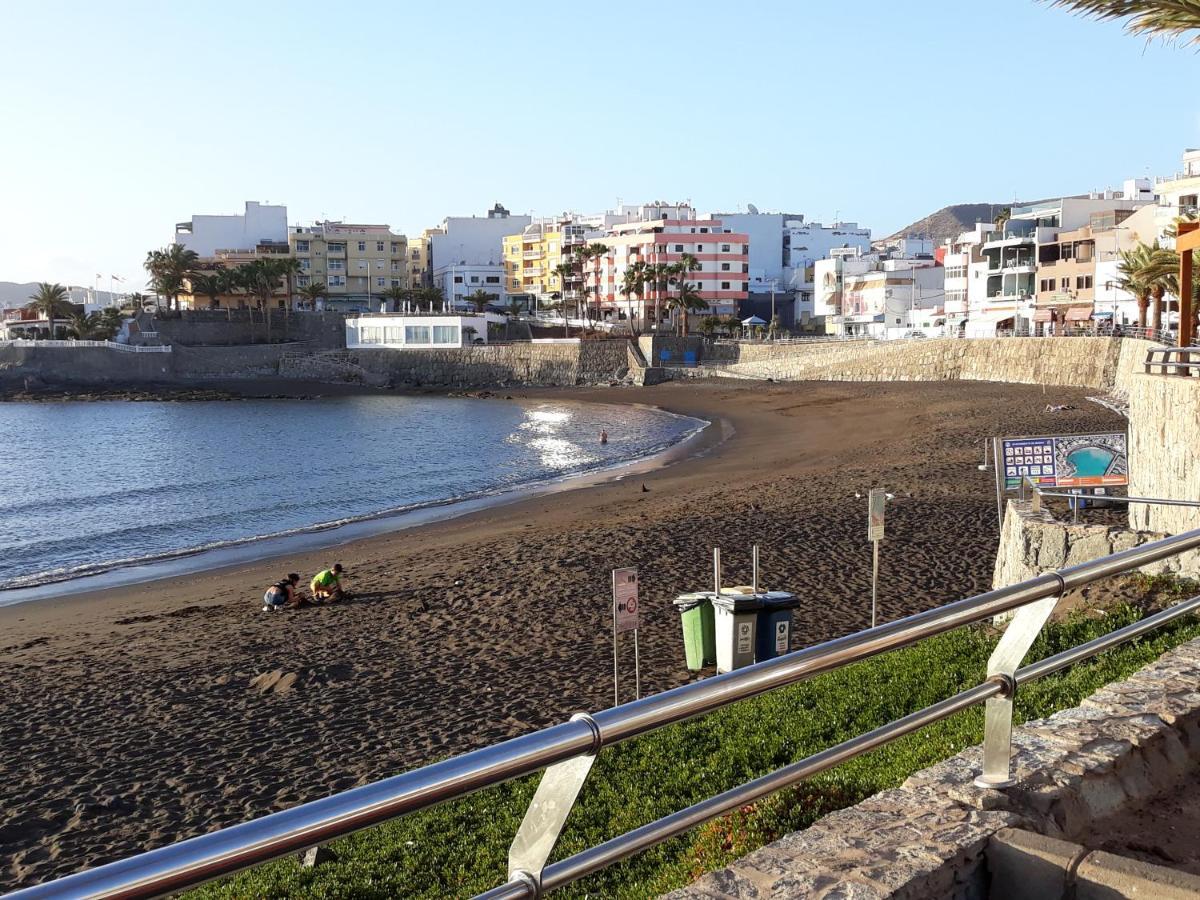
(722, 278)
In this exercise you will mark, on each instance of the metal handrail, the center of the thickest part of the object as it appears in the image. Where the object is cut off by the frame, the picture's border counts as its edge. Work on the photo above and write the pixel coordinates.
(191, 862)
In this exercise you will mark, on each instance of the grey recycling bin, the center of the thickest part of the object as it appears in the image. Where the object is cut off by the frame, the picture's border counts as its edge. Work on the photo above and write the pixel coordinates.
(736, 617)
(774, 624)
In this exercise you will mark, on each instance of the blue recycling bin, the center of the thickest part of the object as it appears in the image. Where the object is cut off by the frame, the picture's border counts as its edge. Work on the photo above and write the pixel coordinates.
(774, 633)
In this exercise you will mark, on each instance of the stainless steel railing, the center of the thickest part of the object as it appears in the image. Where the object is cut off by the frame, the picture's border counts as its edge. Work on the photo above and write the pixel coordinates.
(567, 751)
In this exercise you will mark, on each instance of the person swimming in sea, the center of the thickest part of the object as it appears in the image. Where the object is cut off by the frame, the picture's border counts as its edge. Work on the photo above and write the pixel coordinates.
(603, 436)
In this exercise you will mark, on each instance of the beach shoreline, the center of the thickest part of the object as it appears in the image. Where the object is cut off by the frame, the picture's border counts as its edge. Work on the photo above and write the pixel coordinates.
(146, 714)
(319, 537)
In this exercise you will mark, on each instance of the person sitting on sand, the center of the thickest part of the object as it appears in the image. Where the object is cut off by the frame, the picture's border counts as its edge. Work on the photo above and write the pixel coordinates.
(327, 585)
(281, 593)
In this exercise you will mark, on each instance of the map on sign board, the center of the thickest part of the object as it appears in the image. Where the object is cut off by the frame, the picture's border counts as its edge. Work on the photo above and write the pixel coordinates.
(626, 615)
(876, 501)
(1070, 461)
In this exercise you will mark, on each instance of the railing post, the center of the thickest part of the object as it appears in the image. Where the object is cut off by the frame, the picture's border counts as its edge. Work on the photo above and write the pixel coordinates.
(1010, 650)
(548, 810)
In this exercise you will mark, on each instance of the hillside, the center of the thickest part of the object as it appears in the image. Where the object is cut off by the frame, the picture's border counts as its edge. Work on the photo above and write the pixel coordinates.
(950, 221)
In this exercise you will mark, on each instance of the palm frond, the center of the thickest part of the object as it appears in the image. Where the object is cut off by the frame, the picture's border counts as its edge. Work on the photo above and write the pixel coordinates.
(1171, 20)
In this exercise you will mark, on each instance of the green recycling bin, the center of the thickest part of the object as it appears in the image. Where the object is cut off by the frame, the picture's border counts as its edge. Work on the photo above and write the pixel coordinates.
(699, 634)
(736, 616)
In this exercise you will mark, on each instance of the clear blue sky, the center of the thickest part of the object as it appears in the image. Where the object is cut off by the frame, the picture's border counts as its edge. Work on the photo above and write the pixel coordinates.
(119, 119)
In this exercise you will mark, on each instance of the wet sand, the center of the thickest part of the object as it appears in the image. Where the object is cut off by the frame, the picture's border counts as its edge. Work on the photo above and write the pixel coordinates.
(138, 716)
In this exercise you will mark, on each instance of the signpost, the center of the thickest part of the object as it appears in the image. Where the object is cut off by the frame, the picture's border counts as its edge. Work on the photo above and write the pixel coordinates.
(876, 501)
(626, 617)
(1060, 461)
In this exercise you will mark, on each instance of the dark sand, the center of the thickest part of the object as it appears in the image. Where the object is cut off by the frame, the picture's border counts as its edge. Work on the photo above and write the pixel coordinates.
(135, 717)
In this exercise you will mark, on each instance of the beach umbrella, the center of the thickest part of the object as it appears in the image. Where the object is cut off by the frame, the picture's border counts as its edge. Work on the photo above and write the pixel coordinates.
(754, 320)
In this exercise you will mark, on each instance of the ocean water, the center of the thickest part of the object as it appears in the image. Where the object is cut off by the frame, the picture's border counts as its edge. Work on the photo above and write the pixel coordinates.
(86, 488)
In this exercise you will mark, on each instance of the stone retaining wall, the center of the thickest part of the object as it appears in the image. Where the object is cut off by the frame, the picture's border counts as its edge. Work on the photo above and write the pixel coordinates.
(1126, 744)
(1083, 362)
(234, 327)
(1033, 543)
(586, 362)
(1164, 440)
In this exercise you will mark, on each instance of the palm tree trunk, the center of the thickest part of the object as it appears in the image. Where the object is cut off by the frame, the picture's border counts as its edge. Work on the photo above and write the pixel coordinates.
(1142, 301)
(1158, 305)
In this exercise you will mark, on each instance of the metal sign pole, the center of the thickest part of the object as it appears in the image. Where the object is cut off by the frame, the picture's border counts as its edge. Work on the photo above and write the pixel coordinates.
(616, 673)
(637, 669)
(999, 475)
(874, 580)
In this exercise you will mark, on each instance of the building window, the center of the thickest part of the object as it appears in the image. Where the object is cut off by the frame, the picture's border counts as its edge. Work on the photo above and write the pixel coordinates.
(302, 281)
(724, 285)
(458, 279)
(492, 279)
(416, 255)
(1083, 282)
(395, 282)
(337, 248)
(724, 267)
(362, 246)
(369, 335)
(393, 335)
(305, 265)
(379, 246)
(301, 246)
(1047, 284)
(416, 334)
(337, 265)
(745, 267)
(699, 248)
(724, 248)
(380, 282)
(395, 266)
(704, 231)
(445, 334)
(397, 248)
(475, 280)
(337, 280)
(679, 248)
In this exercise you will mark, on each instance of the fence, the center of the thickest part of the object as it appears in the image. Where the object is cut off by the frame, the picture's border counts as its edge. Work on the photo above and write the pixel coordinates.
(1182, 364)
(567, 751)
(111, 345)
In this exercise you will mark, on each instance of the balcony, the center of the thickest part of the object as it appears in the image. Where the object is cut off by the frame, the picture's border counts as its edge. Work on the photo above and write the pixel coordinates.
(336, 252)
(532, 254)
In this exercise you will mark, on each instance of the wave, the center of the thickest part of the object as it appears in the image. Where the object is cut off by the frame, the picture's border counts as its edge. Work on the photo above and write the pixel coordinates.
(84, 570)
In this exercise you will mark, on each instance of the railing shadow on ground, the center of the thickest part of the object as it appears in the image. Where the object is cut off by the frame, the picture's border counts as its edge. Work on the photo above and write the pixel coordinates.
(567, 751)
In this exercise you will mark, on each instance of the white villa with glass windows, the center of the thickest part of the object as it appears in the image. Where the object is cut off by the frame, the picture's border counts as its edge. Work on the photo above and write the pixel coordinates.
(395, 331)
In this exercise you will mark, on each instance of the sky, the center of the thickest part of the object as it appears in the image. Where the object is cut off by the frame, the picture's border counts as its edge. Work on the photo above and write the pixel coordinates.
(119, 119)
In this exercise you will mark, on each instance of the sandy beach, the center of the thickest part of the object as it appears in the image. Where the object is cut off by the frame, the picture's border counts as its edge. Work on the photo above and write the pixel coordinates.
(143, 715)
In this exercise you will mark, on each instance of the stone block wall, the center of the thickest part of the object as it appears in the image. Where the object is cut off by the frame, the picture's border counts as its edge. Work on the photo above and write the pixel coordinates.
(233, 362)
(586, 362)
(1164, 450)
(1033, 543)
(86, 366)
(1084, 362)
(221, 327)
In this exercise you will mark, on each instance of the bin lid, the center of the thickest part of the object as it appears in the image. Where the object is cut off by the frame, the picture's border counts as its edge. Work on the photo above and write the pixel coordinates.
(779, 600)
(737, 603)
(684, 602)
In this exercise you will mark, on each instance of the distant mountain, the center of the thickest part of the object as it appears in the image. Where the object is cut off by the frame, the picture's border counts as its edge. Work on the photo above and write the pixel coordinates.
(949, 221)
(13, 294)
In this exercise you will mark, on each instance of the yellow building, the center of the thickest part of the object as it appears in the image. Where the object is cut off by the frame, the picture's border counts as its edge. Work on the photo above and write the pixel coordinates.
(356, 263)
(419, 272)
(531, 257)
(189, 298)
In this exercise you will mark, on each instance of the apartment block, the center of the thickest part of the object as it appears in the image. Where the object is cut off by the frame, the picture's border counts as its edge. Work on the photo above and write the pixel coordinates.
(664, 233)
(259, 225)
(356, 263)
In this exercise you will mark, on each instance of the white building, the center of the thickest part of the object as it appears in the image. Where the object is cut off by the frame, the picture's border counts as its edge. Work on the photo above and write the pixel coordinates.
(965, 276)
(878, 295)
(1178, 195)
(460, 281)
(473, 240)
(259, 225)
(784, 248)
(384, 331)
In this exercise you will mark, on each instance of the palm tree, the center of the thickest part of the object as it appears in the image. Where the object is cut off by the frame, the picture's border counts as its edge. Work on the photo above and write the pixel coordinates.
(687, 300)
(289, 267)
(480, 299)
(1129, 278)
(1167, 19)
(679, 273)
(434, 296)
(633, 280)
(168, 268)
(88, 326)
(51, 301)
(594, 250)
(210, 286)
(314, 291)
(396, 294)
(658, 277)
(262, 277)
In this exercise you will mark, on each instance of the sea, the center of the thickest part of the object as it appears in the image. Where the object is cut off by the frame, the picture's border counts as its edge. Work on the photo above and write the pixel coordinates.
(88, 488)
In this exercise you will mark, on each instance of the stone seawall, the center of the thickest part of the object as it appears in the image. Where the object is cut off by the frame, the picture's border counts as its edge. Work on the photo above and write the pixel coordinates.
(235, 327)
(1082, 362)
(585, 362)
(101, 366)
